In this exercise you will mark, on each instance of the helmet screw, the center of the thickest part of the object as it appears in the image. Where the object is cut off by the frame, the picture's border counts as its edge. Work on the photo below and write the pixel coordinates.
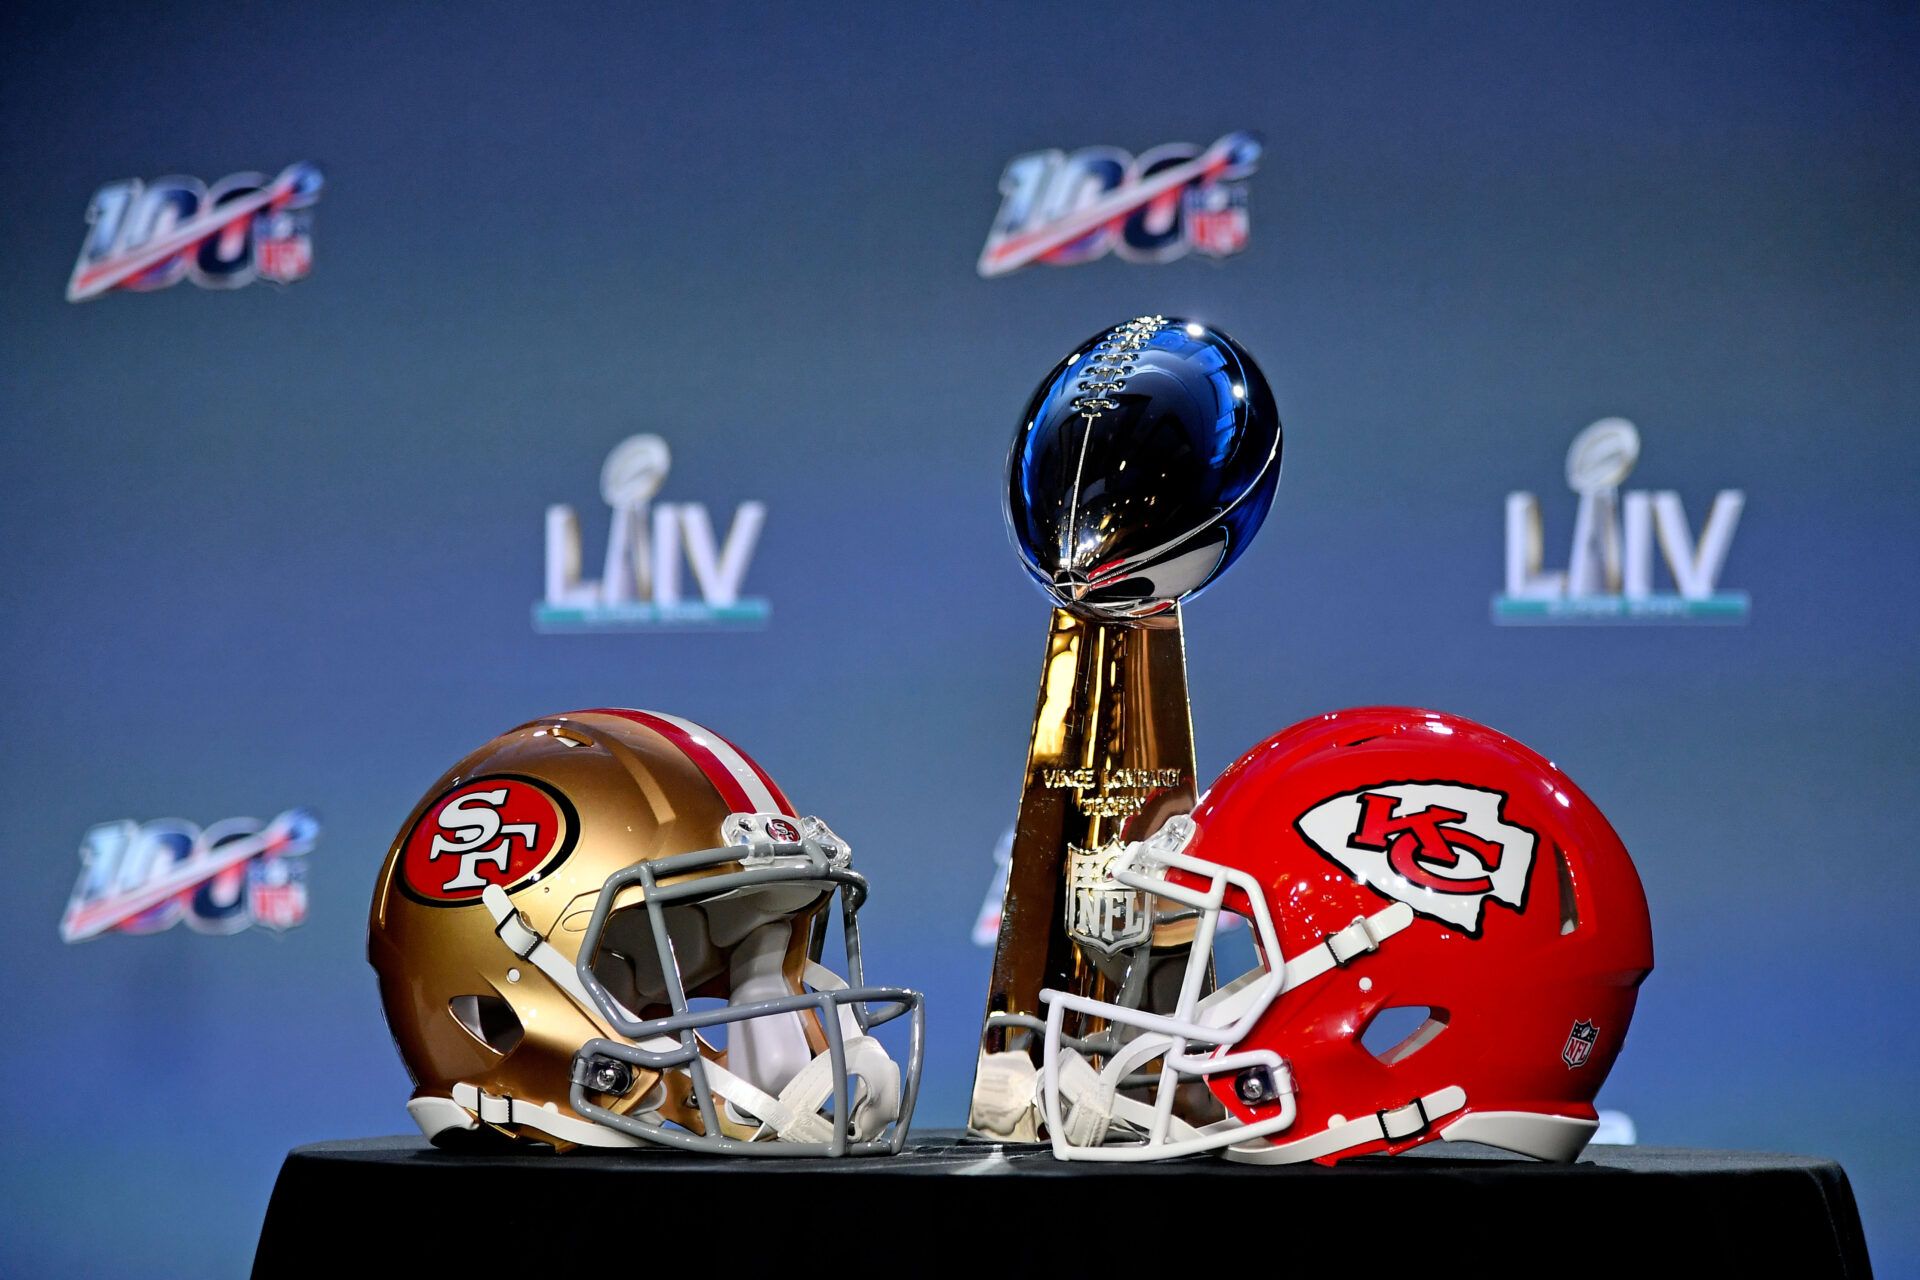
(611, 1076)
(1254, 1085)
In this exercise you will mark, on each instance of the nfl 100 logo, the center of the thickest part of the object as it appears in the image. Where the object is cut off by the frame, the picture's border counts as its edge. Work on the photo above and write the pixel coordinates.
(1063, 209)
(152, 235)
(146, 877)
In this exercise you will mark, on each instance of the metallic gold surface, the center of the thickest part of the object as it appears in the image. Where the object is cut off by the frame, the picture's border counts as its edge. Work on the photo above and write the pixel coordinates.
(1110, 759)
(638, 797)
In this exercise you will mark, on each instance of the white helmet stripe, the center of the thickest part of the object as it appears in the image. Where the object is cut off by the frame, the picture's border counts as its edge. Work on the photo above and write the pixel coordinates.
(759, 795)
(741, 782)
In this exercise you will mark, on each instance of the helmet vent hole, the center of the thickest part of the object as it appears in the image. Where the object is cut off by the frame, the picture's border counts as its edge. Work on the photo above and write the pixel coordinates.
(1569, 905)
(488, 1019)
(569, 737)
(1398, 1033)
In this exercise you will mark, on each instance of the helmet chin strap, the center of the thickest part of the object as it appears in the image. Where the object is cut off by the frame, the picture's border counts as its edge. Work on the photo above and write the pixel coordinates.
(794, 1115)
(1090, 1100)
(1092, 1108)
(771, 1052)
(1091, 1103)
(791, 1114)
(1388, 1126)
(470, 1106)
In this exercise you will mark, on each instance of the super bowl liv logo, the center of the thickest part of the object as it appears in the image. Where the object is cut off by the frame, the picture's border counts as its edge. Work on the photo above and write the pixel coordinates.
(151, 235)
(1610, 568)
(1064, 209)
(640, 585)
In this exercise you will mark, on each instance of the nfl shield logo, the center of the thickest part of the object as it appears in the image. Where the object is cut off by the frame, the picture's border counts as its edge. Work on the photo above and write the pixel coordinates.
(1101, 913)
(1217, 222)
(1580, 1042)
(277, 893)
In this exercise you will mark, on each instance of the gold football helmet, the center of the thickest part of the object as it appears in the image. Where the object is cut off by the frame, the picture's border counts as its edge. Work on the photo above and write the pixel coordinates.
(574, 904)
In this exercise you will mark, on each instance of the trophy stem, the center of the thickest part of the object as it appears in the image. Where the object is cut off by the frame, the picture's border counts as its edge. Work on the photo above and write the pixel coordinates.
(1110, 759)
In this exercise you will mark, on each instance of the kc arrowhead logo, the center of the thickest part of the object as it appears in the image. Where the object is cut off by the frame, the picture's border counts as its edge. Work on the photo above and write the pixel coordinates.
(1442, 848)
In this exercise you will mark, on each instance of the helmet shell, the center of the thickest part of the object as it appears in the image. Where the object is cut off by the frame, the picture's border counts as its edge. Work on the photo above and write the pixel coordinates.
(1530, 935)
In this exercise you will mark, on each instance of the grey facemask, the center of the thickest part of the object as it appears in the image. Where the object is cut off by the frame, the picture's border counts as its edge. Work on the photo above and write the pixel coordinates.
(868, 1101)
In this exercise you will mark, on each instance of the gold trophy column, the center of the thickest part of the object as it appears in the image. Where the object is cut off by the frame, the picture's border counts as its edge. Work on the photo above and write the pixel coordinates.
(1111, 758)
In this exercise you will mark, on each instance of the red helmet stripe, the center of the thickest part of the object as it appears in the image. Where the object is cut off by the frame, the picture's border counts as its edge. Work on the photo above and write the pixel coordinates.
(742, 784)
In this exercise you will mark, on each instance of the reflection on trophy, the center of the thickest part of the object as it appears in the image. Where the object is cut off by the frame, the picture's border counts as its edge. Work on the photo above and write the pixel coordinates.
(1143, 465)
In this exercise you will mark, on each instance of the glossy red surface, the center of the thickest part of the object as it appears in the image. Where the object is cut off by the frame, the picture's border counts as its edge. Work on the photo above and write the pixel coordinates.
(1510, 997)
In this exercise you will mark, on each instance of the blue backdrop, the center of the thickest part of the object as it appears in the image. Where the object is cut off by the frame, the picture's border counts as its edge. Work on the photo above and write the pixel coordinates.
(277, 546)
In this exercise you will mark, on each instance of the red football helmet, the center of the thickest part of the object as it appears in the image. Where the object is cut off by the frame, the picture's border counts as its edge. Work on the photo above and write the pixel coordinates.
(1387, 859)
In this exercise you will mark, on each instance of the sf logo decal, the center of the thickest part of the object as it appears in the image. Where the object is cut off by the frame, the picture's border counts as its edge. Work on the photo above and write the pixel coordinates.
(1443, 848)
(480, 835)
(504, 829)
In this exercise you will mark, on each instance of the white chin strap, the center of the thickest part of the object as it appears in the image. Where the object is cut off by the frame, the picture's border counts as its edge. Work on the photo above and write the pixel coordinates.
(873, 1080)
(1008, 1103)
(470, 1106)
(1389, 1126)
(1093, 1114)
(1093, 1109)
(791, 1114)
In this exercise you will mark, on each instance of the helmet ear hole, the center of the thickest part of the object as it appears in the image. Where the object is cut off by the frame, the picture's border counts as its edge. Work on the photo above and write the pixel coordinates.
(488, 1019)
(1396, 1034)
